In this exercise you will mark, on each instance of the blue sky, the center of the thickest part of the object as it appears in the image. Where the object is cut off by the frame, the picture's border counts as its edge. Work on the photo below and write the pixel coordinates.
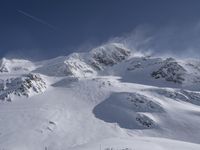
(40, 29)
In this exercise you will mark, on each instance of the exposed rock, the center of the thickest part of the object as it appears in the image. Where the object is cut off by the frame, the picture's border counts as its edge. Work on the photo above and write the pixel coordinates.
(171, 71)
(108, 55)
(145, 121)
(21, 86)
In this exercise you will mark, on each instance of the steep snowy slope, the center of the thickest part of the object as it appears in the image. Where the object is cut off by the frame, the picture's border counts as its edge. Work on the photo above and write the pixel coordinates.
(72, 65)
(163, 72)
(105, 99)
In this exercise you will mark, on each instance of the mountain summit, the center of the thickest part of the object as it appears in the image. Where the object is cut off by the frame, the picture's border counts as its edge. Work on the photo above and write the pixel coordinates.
(107, 98)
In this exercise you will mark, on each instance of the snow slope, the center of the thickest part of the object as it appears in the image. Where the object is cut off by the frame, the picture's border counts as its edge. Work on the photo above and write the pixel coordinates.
(105, 99)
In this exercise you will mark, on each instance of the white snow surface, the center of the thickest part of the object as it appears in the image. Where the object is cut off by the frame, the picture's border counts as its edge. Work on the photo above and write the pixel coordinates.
(105, 99)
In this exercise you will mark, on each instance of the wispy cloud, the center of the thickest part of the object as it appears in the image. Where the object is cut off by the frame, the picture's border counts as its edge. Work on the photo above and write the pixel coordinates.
(37, 19)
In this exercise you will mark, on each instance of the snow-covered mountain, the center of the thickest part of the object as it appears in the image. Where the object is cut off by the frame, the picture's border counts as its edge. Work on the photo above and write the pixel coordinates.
(107, 99)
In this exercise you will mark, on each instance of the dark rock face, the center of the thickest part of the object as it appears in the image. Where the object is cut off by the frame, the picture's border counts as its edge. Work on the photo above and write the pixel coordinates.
(108, 55)
(170, 71)
(145, 121)
(102, 58)
(21, 86)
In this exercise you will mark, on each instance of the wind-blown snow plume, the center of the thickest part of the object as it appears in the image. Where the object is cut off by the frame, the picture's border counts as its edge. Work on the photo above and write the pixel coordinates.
(170, 40)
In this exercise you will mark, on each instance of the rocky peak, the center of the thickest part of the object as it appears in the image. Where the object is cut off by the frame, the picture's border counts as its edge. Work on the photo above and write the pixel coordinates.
(108, 55)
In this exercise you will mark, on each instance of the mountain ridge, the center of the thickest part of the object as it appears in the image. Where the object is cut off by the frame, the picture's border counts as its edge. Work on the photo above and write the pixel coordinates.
(107, 96)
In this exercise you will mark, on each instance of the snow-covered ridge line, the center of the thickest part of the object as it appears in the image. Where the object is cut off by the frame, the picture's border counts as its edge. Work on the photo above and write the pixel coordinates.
(113, 59)
(86, 64)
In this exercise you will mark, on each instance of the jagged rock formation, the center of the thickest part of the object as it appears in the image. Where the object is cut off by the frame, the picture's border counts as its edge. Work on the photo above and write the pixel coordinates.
(21, 86)
(171, 71)
(108, 55)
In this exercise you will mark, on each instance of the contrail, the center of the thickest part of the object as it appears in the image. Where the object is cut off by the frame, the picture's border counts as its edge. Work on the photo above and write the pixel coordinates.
(36, 19)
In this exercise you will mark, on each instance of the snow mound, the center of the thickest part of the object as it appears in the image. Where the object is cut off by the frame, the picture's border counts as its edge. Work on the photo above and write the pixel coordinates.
(129, 110)
(25, 85)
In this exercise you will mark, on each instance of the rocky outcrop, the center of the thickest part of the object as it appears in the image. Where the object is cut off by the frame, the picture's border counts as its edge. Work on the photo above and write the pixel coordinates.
(25, 85)
(171, 71)
(108, 55)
